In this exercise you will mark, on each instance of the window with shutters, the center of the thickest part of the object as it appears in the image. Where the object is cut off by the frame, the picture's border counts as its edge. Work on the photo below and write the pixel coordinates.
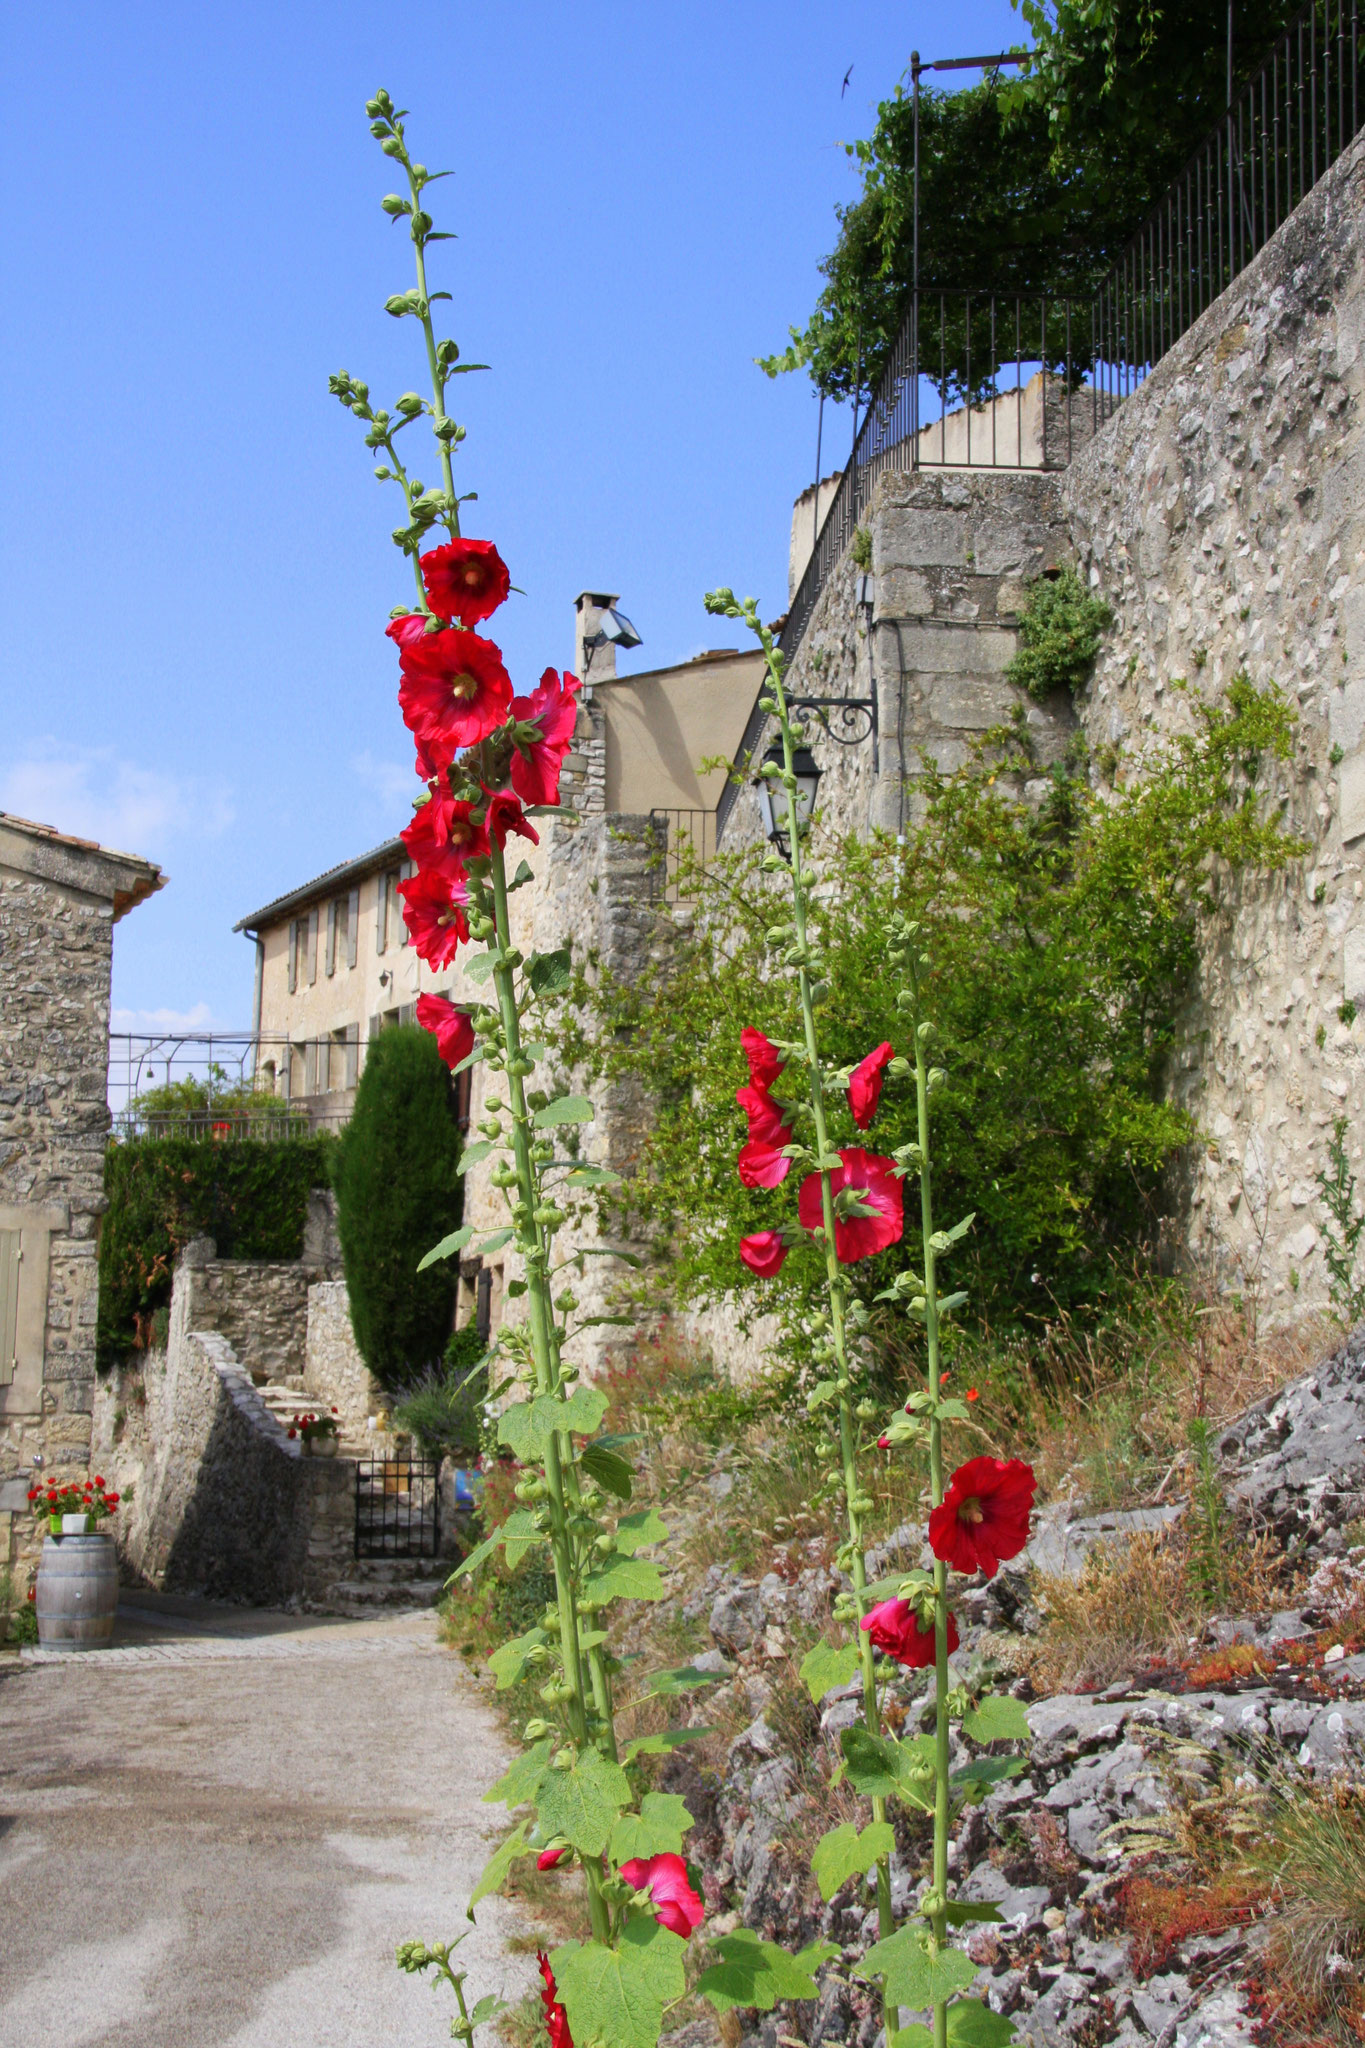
(312, 929)
(333, 910)
(11, 1263)
(292, 955)
(352, 927)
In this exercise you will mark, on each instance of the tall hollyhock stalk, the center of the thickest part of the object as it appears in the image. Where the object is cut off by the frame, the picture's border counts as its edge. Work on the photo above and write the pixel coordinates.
(850, 1203)
(489, 762)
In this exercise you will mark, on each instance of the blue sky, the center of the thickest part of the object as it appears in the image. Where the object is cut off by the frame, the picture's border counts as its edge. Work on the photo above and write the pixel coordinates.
(194, 563)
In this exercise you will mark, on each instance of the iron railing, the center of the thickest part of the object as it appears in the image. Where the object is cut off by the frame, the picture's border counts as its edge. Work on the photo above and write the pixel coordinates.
(673, 831)
(397, 1507)
(229, 1085)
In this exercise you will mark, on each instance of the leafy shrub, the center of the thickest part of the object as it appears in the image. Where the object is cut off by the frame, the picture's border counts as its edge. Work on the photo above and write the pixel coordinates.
(250, 1196)
(398, 1190)
(444, 1409)
(1064, 941)
(1060, 629)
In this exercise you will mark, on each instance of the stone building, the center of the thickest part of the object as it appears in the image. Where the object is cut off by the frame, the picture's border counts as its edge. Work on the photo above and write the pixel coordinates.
(60, 899)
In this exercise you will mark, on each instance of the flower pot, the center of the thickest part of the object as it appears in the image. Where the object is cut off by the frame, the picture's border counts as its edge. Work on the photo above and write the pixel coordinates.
(321, 1446)
(77, 1592)
(77, 1525)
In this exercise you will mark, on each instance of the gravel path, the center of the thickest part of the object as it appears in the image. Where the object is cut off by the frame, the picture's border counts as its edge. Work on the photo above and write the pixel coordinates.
(215, 1834)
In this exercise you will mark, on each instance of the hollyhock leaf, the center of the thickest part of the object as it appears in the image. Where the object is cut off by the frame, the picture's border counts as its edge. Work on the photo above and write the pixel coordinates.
(964, 1913)
(494, 1243)
(656, 1830)
(983, 1771)
(582, 1802)
(568, 1109)
(523, 875)
(582, 1412)
(521, 1429)
(685, 1679)
(913, 1975)
(470, 1060)
(508, 1663)
(759, 1973)
(610, 1470)
(456, 1242)
(972, 2024)
(488, 2008)
(952, 1301)
(916, 2035)
(615, 1997)
(953, 1411)
(471, 1156)
(820, 1396)
(638, 1532)
(660, 1743)
(519, 1536)
(625, 1578)
(596, 1322)
(549, 973)
(825, 1666)
(521, 1780)
(871, 1762)
(844, 1853)
(480, 967)
(499, 1863)
(592, 1177)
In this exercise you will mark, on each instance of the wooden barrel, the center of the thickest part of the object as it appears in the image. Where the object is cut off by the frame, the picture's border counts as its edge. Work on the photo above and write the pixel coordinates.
(77, 1593)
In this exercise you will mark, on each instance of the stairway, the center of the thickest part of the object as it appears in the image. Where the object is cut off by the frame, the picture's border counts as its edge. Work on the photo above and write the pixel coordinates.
(287, 1398)
(374, 1584)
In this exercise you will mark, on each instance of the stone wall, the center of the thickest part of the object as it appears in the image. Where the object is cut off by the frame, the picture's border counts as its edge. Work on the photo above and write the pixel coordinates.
(334, 1373)
(58, 902)
(259, 1305)
(1221, 514)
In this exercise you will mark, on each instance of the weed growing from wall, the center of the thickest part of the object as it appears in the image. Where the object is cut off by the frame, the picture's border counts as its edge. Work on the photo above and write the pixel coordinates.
(1060, 630)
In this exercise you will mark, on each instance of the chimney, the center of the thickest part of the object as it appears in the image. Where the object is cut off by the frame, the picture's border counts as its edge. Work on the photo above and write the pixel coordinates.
(597, 663)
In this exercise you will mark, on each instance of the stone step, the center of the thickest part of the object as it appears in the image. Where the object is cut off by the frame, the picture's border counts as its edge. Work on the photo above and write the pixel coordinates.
(363, 1596)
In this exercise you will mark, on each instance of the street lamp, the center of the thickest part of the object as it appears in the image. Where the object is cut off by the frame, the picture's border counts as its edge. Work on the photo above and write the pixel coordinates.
(772, 795)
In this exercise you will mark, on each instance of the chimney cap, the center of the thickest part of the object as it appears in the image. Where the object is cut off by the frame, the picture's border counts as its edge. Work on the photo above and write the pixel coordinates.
(601, 600)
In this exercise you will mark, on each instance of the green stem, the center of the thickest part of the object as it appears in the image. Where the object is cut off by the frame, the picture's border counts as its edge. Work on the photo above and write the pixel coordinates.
(531, 1240)
(438, 382)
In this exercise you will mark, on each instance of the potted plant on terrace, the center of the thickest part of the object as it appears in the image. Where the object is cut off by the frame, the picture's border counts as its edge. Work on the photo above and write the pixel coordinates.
(317, 1434)
(74, 1507)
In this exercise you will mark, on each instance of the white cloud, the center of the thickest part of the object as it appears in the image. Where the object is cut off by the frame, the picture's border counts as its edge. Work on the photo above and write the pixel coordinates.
(392, 784)
(200, 1018)
(93, 793)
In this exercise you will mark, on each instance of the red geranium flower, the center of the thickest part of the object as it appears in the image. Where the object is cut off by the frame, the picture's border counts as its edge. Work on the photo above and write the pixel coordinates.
(465, 580)
(503, 815)
(984, 1515)
(894, 1627)
(443, 835)
(433, 911)
(556, 2019)
(762, 1055)
(857, 1237)
(452, 1029)
(545, 723)
(665, 1879)
(454, 692)
(865, 1085)
(763, 1253)
(761, 1163)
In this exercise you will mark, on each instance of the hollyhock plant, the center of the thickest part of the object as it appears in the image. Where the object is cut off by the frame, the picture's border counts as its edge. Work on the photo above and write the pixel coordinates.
(983, 1518)
(556, 2019)
(865, 1084)
(762, 1163)
(665, 1879)
(857, 1237)
(765, 1062)
(434, 913)
(408, 629)
(764, 1252)
(454, 691)
(443, 835)
(465, 580)
(452, 1029)
(541, 736)
(894, 1627)
(503, 815)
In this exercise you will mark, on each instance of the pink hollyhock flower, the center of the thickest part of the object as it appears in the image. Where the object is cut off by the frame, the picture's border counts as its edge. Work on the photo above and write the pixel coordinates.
(857, 1237)
(545, 723)
(451, 1028)
(465, 580)
(761, 1163)
(762, 1055)
(556, 2019)
(433, 911)
(407, 629)
(443, 835)
(894, 1627)
(984, 1516)
(665, 1879)
(763, 1253)
(454, 692)
(865, 1085)
(503, 814)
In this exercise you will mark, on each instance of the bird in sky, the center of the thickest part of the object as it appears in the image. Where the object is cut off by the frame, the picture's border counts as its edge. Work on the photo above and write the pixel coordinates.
(844, 87)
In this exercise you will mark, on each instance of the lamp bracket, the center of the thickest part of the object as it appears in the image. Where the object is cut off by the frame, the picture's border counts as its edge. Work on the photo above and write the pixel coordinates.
(856, 716)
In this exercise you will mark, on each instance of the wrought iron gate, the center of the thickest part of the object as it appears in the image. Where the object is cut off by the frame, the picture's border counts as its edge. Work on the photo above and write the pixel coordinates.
(397, 1507)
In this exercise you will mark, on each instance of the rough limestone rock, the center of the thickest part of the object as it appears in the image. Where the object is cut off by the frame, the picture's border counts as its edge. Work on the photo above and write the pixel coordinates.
(736, 1618)
(1299, 1456)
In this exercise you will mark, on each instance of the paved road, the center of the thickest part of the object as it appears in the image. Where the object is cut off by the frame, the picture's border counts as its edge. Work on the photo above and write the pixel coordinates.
(215, 1834)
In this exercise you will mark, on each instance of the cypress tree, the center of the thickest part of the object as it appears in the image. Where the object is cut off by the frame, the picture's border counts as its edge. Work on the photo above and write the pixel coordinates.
(398, 1192)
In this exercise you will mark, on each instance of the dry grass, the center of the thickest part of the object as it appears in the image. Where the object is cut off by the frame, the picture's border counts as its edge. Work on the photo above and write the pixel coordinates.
(1312, 1863)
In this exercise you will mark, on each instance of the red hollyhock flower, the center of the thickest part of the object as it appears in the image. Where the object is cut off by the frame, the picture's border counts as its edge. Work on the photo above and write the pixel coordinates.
(454, 692)
(433, 911)
(451, 1028)
(556, 2019)
(407, 630)
(665, 1879)
(857, 1237)
(503, 814)
(865, 1085)
(443, 835)
(549, 711)
(465, 580)
(763, 1253)
(984, 1515)
(549, 1858)
(761, 1163)
(762, 1055)
(894, 1627)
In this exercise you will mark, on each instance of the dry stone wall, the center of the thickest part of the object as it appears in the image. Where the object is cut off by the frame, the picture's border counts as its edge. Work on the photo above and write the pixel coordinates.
(259, 1305)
